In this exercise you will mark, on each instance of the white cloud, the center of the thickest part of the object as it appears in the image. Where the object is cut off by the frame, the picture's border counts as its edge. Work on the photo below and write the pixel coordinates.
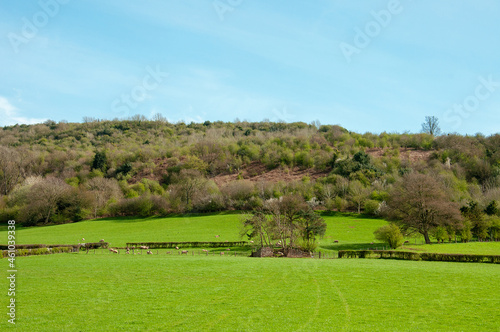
(9, 115)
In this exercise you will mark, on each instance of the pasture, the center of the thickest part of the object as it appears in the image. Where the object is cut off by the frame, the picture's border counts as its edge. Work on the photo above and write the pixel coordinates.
(76, 292)
(347, 229)
(119, 292)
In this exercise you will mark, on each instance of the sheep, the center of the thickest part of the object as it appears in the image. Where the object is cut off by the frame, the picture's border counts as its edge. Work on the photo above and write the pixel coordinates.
(101, 240)
(149, 252)
(228, 249)
(115, 251)
(251, 241)
(336, 241)
(217, 236)
(144, 247)
(184, 252)
(177, 248)
(222, 253)
(204, 250)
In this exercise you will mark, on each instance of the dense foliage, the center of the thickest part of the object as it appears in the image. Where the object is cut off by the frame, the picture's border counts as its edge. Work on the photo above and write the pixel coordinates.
(62, 172)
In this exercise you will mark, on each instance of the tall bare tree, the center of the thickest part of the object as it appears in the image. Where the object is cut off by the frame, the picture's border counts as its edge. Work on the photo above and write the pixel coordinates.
(431, 126)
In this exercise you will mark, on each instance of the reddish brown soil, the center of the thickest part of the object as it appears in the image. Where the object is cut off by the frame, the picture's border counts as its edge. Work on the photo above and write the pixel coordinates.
(257, 172)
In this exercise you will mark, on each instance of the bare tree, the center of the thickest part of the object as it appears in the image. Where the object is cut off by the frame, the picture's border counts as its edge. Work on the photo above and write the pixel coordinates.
(419, 203)
(287, 219)
(45, 195)
(102, 191)
(431, 126)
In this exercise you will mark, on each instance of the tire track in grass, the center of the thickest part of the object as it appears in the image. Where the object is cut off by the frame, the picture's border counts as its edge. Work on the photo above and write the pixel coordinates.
(346, 306)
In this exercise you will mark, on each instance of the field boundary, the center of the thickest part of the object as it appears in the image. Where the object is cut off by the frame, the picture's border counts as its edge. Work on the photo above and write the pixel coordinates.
(413, 256)
(169, 245)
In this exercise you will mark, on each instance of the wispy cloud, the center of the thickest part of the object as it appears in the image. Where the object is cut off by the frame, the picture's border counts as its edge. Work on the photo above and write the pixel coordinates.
(9, 115)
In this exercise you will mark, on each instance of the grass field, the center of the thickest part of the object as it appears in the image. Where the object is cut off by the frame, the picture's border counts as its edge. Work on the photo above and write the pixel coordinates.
(109, 292)
(347, 229)
(76, 292)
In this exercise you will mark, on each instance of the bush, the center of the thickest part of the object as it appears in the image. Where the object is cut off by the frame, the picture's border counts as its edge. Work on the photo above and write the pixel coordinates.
(390, 234)
(371, 207)
(405, 255)
(143, 206)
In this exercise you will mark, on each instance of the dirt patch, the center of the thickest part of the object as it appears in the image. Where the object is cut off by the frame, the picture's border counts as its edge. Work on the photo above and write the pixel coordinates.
(257, 172)
(412, 155)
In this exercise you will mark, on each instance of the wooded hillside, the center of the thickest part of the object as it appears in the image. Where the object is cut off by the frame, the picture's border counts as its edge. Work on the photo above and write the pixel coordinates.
(62, 172)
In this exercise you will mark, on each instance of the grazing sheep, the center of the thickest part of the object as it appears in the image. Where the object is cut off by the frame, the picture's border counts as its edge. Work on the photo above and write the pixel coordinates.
(217, 236)
(204, 250)
(407, 241)
(184, 252)
(251, 241)
(115, 251)
(101, 240)
(336, 241)
(177, 248)
(83, 239)
(144, 247)
(149, 252)
(222, 253)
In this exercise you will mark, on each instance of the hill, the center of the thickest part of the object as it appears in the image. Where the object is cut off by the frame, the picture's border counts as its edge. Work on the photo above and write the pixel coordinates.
(65, 172)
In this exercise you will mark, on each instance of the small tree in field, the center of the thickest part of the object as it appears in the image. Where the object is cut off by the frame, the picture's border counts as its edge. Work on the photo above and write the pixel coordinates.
(390, 234)
(288, 219)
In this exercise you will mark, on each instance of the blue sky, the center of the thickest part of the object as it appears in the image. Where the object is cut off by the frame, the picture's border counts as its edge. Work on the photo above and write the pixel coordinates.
(369, 66)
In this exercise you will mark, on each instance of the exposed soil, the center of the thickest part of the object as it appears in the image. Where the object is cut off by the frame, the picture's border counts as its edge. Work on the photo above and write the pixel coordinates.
(407, 154)
(257, 172)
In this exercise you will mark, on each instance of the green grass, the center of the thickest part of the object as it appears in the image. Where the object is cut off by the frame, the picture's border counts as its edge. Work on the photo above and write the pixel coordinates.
(119, 231)
(79, 292)
(349, 230)
(109, 292)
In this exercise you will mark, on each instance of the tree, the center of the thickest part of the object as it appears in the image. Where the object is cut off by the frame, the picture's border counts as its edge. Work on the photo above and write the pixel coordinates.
(102, 190)
(358, 194)
(431, 126)
(100, 161)
(186, 184)
(419, 203)
(44, 197)
(390, 234)
(287, 219)
(13, 167)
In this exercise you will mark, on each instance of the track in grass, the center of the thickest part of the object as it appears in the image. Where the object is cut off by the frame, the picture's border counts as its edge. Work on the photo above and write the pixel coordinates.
(74, 292)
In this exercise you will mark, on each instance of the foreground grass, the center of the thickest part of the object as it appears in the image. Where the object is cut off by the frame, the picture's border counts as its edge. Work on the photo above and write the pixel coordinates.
(78, 292)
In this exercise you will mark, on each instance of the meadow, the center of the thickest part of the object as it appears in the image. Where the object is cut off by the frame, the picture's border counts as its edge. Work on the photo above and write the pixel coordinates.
(75, 292)
(79, 291)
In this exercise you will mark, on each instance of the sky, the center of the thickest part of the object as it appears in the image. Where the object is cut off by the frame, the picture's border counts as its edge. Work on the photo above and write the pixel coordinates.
(369, 66)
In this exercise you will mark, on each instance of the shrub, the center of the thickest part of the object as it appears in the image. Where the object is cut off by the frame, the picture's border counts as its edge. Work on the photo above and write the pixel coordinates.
(390, 234)
(440, 234)
(371, 207)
